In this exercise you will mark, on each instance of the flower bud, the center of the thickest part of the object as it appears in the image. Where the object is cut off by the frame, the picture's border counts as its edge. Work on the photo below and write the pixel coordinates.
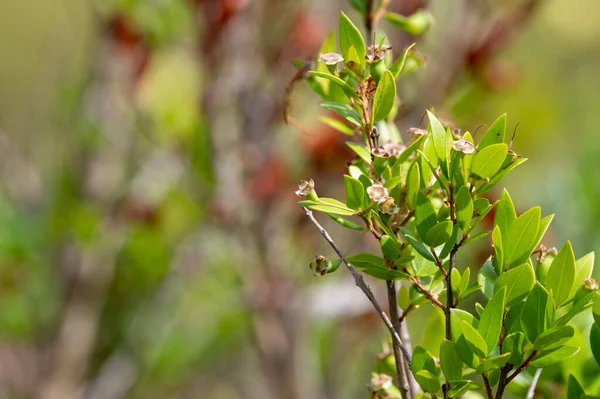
(415, 131)
(380, 382)
(541, 269)
(588, 285)
(322, 266)
(389, 150)
(331, 60)
(389, 207)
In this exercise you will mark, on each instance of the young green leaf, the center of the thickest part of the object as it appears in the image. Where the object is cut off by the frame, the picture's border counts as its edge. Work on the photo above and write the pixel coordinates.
(459, 388)
(522, 236)
(474, 340)
(396, 67)
(346, 223)
(374, 266)
(493, 363)
(464, 283)
(552, 356)
(344, 110)
(349, 35)
(450, 361)
(518, 283)
(428, 381)
(583, 270)
(327, 208)
(561, 275)
(505, 214)
(416, 24)
(553, 338)
(497, 243)
(422, 360)
(417, 244)
(439, 234)
(438, 133)
(579, 306)
(490, 323)
(487, 279)
(355, 193)
(385, 97)
(389, 247)
(413, 185)
(513, 343)
(500, 175)
(361, 150)
(533, 319)
(495, 134)
(595, 342)
(464, 207)
(487, 161)
(337, 125)
(574, 389)
(425, 216)
(347, 89)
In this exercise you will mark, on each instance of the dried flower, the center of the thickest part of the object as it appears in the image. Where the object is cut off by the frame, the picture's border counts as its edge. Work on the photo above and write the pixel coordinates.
(415, 131)
(389, 207)
(376, 53)
(389, 150)
(380, 382)
(590, 284)
(331, 58)
(378, 193)
(464, 146)
(305, 187)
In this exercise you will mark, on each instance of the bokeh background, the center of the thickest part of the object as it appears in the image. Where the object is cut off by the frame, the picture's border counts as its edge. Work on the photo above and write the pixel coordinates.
(150, 244)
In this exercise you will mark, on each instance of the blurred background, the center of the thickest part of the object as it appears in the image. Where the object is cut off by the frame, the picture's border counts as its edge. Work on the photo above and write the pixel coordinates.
(150, 241)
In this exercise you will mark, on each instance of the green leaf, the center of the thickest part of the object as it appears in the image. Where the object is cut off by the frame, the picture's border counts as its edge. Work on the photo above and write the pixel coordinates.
(490, 323)
(464, 207)
(522, 236)
(349, 35)
(533, 319)
(355, 193)
(417, 244)
(450, 361)
(497, 243)
(495, 134)
(493, 363)
(327, 208)
(477, 236)
(396, 67)
(464, 283)
(595, 342)
(427, 381)
(361, 150)
(500, 175)
(344, 110)
(583, 269)
(337, 125)
(346, 223)
(487, 279)
(553, 338)
(353, 63)
(416, 24)
(596, 309)
(389, 247)
(385, 97)
(460, 387)
(348, 90)
(374, 266)
(544, 224)
(513, 343)
(505, 214)
(413, 185)
(425, 216)
(579, 306)
(439, 234)
(561, 275)
(518, 283)
(552, 356)
(474, 340)
(422, 360)
(438, 133)
(574, 389)
(487, 161)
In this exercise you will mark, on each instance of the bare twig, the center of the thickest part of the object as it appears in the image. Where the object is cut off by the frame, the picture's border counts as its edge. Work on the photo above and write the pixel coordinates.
(531, 390)
(360, 283)
(488, 388)
(522, 367)
(429, 295)
(401, 370)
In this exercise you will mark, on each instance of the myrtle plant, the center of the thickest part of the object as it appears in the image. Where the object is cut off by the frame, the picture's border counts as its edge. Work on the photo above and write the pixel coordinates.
(425, 201)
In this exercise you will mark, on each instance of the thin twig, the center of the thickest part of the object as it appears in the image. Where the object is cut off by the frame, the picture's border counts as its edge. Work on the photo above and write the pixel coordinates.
(360, 283)
(534, 382)
(488, 387)
(522, 367)
(429, 295)
(398, 357)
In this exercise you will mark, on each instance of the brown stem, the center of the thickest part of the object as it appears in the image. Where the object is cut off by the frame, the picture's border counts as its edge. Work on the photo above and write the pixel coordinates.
(502, 381)
(398, 356)
(360, 283)
(405, 313)
(488, 387)
(429, 295)
(522, 367)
